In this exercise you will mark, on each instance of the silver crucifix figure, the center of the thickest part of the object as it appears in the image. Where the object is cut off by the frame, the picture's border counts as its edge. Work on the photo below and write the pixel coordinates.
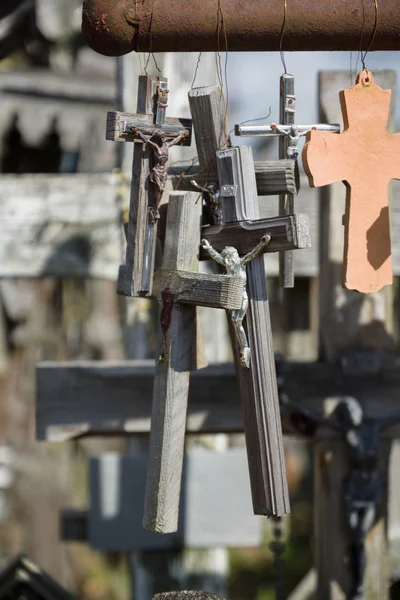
(235, 265)
(289, 135)
(293, 135)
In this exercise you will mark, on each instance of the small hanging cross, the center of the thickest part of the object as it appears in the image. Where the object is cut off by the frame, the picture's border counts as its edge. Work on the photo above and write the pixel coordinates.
(154, 134)
(365, 157)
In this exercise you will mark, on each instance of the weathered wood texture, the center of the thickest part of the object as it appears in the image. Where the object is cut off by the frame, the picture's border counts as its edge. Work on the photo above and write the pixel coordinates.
(215, 503)
(258, 383)
(199, 289)
(115, 131)
(292, 231)
(135, 277)
(208, 110)
(171, 384)
(272, 177)
(59, 226)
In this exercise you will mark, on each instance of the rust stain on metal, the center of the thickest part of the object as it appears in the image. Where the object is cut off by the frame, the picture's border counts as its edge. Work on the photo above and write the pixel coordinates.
(115, 27)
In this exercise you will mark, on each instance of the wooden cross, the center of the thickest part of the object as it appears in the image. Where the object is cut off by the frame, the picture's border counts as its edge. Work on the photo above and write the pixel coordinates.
(173, 368)
(365, 158)
(154, 134)
(179, 289)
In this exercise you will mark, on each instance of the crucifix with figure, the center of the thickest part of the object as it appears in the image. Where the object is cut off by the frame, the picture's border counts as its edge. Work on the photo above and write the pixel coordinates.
(365, 158)
(154, 135)
(289, 137)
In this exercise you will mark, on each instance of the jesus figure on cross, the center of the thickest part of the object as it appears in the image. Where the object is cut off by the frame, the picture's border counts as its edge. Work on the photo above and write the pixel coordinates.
(236, 266)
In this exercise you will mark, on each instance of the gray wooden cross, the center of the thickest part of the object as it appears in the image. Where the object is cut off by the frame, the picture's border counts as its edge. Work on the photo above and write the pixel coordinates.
(154, 134)
(238, 198)
(290, 135)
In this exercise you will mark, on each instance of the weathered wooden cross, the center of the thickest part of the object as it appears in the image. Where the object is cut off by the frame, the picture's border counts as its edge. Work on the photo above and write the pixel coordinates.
(153, 134)
(365, 158)
(239, 206)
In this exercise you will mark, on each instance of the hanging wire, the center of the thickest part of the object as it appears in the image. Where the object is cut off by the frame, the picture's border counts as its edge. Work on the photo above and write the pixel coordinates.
(222, 74)
(196, 69)
(151, 54)
(363, 55)
(283, 61)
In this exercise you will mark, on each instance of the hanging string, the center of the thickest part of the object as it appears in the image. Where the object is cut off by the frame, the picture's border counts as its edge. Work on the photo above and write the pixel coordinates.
(222, 74)
(151, 54)
(196, 69)
(363, 55)
(283, 61)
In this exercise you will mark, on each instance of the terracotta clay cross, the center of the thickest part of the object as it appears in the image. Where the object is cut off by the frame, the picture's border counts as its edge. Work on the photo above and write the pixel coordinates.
(365, 157)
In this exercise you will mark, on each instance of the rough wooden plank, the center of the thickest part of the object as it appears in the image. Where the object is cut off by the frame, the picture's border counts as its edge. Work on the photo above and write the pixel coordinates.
(258, 383)
(215, 504)
(272, 176)
(115, 131)
(208, 110)
(171, 385)
(64, 226)
(291, 232)
(77, 398)
(199, 289)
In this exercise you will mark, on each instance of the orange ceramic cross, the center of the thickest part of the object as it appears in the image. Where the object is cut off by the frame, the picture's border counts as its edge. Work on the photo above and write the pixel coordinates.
(365, 157)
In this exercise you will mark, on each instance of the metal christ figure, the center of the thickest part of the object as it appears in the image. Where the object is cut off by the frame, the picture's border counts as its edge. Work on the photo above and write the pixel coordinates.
(293, 136)
(363, 485)
(158, 140)
(213, 203)
(235, 265)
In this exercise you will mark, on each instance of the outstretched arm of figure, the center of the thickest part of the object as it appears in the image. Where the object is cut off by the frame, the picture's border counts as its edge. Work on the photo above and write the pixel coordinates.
(265, 240)
(143, 137)
(304, 133)
(213, 253)
(178, 138)
(279, 129)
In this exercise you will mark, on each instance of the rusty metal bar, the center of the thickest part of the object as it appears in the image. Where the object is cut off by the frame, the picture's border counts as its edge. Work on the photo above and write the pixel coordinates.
(115, 27)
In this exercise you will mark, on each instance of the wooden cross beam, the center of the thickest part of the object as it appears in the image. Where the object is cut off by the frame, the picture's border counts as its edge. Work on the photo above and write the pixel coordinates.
(365, 158)
(153, 135)
(107, 398)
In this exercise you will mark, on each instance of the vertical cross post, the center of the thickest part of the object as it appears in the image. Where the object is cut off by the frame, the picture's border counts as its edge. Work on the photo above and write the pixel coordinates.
(261, 413)
(286, 201)
(171, 384)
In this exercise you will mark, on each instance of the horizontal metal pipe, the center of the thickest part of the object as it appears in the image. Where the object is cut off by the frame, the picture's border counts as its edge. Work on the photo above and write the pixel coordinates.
(262, 130)
(116, 27)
